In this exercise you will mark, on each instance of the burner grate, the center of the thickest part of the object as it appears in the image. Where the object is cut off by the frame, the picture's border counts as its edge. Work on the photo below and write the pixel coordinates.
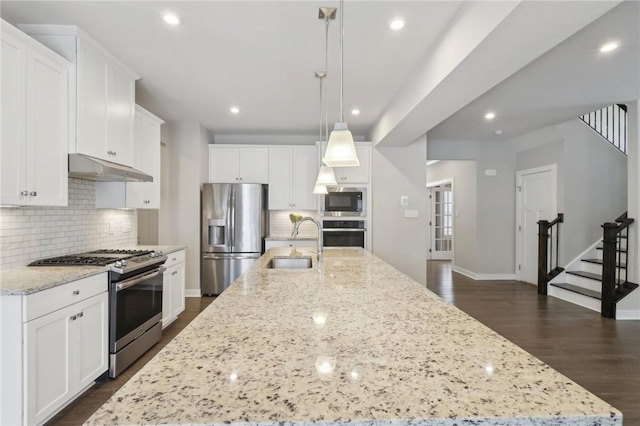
(74, 260)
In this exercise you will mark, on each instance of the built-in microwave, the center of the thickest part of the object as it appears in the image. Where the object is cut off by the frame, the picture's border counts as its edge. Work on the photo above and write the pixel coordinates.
(341, 201)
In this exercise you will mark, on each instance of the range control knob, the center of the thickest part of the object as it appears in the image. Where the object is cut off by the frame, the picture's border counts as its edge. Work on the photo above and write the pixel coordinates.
(118, 263)
(124, 262)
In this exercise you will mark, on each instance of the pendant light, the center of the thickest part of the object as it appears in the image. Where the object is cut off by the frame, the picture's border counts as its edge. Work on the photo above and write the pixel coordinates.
(341, 151)
(325, 175)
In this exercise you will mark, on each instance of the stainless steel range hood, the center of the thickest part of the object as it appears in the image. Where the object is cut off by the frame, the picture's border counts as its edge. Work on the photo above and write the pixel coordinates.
(85, 167)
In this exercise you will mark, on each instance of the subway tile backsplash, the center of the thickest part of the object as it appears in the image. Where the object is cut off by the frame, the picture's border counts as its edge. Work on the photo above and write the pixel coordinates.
(280, 225)
(31, 233)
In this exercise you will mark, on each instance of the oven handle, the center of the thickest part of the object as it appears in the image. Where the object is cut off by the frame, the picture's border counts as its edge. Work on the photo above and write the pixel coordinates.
(343, 230)
(133, 281)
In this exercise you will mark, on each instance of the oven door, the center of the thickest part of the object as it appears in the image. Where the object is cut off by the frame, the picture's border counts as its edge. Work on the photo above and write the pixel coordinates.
(349, 237)
(135, 306)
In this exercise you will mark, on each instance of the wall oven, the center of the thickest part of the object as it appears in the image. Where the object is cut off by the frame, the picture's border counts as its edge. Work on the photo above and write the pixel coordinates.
(345, 202)
(344, 233)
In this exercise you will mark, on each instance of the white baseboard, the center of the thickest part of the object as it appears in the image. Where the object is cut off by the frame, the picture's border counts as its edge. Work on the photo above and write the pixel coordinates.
(483, 277)
(190, 292)
(464, 272)
(497, 277)
(628, 314)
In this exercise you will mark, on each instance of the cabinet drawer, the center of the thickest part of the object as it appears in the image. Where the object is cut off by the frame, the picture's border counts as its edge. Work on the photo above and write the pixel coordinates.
(46, 301)
(174, 258)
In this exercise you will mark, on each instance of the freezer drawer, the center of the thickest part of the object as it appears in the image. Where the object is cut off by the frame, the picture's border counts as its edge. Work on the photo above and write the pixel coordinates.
(219, 271)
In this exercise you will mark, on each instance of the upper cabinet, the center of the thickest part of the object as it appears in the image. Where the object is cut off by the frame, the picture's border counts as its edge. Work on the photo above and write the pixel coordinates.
(292, 175)
(102, 94)
(146, 195)
(35, 123)
(358, 174)
(238, 164)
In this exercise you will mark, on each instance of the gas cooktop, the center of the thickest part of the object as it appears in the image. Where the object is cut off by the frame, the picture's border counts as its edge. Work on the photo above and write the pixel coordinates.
(94, 258)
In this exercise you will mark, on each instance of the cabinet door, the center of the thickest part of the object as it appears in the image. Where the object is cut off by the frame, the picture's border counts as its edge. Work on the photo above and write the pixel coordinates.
(223, 165)
(92, 102)
(91, 339)
(120, 115)
(49, 360)
(47, 131)
(305, 173)
(13, 149)
(280, 178)
(358, 174)
(146, 195)
(177, 289)
(254, 165)
(166, 298)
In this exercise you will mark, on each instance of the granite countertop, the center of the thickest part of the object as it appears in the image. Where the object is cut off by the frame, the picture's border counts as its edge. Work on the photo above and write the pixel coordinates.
(289, 238)
(353, 341)
(31, 279)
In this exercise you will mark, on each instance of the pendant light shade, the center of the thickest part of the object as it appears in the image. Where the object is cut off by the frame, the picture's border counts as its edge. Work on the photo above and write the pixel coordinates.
(320, 189)
(341, 151)
(326, 176)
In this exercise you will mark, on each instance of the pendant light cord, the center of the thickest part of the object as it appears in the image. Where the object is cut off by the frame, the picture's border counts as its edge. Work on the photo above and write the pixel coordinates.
(341, 58)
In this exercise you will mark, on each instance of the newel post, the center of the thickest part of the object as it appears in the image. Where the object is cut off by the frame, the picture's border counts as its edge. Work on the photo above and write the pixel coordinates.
(609, 243)
(543, 243)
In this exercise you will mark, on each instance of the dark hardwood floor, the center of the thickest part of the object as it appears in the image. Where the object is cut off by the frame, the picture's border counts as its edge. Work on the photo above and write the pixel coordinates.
(601, 355)
(82, 408)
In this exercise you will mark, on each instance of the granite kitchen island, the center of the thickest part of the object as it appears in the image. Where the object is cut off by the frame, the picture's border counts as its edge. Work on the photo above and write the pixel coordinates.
(353, 341)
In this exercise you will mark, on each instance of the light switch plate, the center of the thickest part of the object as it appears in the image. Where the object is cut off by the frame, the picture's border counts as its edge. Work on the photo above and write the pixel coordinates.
(411, 213)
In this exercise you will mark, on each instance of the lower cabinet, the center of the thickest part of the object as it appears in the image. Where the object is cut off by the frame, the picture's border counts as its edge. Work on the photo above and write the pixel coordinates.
(173, 287)
(64, 335)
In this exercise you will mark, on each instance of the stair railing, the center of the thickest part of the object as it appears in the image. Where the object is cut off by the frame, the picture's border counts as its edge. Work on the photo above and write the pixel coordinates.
(615, 263)
(611, 124)
(546, 257)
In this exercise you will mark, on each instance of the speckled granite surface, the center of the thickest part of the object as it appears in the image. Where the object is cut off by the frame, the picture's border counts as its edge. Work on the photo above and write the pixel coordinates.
(352, 342)
(287, 238)
(32, 279)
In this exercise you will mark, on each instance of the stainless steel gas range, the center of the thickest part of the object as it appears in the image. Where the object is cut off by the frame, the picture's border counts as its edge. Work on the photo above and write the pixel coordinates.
(135, 299)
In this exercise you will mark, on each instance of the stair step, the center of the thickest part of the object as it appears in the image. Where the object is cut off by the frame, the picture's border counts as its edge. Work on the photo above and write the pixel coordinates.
(599, 262)
(580, 290)
(590, 275)
(621, 250)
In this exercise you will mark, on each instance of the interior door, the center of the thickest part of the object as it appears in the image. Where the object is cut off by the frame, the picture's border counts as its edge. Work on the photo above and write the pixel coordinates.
(441, 224)
(536, 200)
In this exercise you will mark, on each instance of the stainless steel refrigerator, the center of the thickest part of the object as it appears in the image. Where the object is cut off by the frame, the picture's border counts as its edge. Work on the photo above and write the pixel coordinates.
(234, 224)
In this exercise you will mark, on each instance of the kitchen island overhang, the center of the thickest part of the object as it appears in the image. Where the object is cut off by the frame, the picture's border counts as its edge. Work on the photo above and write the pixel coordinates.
(353, 341)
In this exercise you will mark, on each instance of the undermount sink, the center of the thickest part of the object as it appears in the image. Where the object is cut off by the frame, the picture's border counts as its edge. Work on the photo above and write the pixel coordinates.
(290, 263)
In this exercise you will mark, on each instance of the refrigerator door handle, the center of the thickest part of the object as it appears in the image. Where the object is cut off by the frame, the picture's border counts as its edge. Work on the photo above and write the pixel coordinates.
(232, 213)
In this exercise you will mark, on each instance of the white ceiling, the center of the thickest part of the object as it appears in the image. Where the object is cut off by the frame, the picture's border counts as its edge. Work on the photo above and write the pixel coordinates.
(262, 55)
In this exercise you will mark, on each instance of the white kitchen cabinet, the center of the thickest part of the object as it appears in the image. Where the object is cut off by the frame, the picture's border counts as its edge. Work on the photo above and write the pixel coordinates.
(34, 144)
(358, 174)
(101, 93)
(146, 195)
(55, 345)
(292, 176)
(173, 287)
(238, 164)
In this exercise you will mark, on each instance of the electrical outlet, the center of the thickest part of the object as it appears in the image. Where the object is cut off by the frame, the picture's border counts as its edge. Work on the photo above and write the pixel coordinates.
(410, 213)
(404, 200)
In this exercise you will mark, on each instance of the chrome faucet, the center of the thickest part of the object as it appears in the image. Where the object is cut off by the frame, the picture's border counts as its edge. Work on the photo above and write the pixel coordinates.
(318, 224)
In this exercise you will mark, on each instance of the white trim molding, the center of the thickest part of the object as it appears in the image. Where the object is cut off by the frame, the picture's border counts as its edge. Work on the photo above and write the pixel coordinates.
(628, 314)
(190, 292)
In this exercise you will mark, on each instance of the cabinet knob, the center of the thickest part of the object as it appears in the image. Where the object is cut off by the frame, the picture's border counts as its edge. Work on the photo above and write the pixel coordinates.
(24, 193)
(240, 178)
(76, 292)
(174, 273)
(80, 314)
(33, 193)
(174, 259)
(72, 317)
(115, 153)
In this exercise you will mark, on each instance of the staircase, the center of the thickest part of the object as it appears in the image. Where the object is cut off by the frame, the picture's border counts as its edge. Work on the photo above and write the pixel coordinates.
(582, 281)
(611, 124)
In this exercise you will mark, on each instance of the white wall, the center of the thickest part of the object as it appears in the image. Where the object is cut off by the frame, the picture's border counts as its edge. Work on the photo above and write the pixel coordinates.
(184, 169)
(465, 231)
(400, 241)
(27, 234)
(495, 201)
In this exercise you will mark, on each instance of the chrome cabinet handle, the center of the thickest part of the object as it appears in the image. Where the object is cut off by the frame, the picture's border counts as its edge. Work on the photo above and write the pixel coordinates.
(76, 292)
(174, 273)
(33, 193)
(80, 314)
(24, 192)
(72, 317)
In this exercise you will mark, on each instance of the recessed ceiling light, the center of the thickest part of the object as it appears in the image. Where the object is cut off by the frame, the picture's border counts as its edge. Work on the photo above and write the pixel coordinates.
(396, 24)
(355, 111)
(171, 19)
(490, 115)
(234, 110)
(498, 132)
(609, 47)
